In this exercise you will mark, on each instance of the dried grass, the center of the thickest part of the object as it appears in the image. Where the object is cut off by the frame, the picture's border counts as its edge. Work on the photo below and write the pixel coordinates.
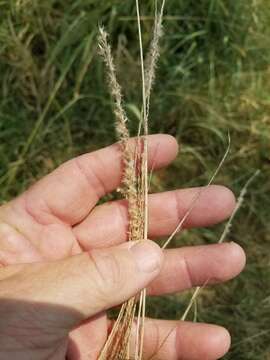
(135, 180)
(222, 238)
(135, 184)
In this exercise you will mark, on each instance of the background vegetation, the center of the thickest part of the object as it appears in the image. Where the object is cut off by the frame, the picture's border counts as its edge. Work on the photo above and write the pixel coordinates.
(214, 76)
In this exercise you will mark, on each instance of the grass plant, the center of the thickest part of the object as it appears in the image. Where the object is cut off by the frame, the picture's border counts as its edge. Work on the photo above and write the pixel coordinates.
(135, 181)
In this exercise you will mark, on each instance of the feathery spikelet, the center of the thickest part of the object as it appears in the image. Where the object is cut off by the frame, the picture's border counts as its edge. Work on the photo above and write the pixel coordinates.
(117, 345)
(153, 55)
(129, 181)
(115, 89)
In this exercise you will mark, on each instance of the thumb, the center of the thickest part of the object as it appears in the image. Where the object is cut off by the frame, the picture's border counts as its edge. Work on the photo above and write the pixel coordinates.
(87, 283)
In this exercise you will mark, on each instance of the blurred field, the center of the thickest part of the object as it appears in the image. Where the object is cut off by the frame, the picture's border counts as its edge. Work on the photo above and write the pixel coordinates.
(214, 76)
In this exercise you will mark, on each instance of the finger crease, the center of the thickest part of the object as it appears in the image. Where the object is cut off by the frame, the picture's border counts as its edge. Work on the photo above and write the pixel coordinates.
(92, 178)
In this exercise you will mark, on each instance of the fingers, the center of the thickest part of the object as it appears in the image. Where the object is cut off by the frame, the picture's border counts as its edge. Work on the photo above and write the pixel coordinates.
(87, 283)
(163, 339)
(108, 224)
(71, 191)
(182, 269)
(194, 266)
(173, 340)
(86, 341)
(15, 248)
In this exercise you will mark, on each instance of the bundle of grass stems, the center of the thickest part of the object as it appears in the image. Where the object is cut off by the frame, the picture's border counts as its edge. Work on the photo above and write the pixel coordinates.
(135, 184)
(135, 181)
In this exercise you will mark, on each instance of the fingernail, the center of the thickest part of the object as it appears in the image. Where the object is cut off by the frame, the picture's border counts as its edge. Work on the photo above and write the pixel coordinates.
(147, 255)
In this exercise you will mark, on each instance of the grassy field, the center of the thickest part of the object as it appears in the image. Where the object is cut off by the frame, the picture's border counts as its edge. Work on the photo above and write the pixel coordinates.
(214, 77)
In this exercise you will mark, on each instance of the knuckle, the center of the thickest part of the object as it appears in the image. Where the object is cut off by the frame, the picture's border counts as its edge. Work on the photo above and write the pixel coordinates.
(109, 277)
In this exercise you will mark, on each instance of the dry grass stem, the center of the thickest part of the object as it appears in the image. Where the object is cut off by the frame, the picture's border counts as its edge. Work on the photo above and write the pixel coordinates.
(153, 55)
(143, 189)
(239, 203)
(198, 195)
(223, 236)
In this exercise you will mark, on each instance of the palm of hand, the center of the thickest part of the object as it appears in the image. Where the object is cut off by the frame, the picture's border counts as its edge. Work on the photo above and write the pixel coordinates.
(58, 218)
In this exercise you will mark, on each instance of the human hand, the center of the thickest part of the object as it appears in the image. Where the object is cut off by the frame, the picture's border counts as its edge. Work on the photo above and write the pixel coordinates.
(65, 261)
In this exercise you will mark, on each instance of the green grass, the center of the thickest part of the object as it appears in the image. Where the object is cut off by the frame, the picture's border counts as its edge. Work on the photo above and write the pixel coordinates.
(213, 77)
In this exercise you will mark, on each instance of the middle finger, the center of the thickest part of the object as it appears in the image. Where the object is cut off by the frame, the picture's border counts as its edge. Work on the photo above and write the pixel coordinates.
(107, 224)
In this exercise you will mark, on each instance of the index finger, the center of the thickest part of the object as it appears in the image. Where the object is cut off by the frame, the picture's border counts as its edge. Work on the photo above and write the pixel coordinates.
(70, 192)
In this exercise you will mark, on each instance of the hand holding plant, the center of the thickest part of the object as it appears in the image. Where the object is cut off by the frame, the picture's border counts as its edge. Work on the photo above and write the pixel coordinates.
(65, 261)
